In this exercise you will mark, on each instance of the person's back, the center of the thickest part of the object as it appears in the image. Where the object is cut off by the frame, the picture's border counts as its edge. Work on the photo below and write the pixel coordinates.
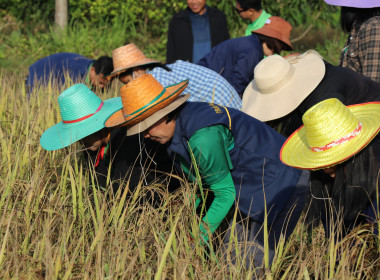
(194, 31)
(235, 60)
(57, 66)
(204, 84)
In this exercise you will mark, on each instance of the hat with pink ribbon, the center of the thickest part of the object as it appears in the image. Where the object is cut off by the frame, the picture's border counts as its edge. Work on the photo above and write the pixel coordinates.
(83, 113)
(331, 134)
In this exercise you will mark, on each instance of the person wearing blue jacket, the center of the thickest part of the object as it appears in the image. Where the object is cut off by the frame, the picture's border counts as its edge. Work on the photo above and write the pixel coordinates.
(237, 157)
(57, 67)
(235, 59)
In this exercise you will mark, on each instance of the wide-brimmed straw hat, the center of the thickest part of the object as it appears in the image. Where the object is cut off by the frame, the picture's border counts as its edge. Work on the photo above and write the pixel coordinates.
(126, 57)
(280, 85)
(331, 134)
(277, 28)
(355, 3)
(142, 98)
(83, 113)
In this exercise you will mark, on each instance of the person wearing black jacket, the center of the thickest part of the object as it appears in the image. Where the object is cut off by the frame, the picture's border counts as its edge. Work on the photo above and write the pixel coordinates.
(194, 31)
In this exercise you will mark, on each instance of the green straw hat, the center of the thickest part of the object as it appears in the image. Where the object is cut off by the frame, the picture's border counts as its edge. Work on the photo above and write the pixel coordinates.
(331, 134)
(83, 113)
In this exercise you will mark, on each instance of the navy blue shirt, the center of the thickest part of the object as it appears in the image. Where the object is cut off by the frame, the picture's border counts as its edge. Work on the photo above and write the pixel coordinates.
(235, 59)
(56, 66)
(257, 167)
(200, 26)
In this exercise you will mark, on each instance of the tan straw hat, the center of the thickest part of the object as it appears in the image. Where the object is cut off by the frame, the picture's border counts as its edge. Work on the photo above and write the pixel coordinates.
(331, 134)
(277, 28)
(143, 97)
(281, 85)
(126, 57)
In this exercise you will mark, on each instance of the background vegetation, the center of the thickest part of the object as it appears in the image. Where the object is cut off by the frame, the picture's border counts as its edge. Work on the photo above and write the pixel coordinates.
(55, 222)
(97, 27)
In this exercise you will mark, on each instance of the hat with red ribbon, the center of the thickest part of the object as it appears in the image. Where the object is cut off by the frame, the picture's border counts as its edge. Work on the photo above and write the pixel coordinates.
(331, 134)
(83, 113)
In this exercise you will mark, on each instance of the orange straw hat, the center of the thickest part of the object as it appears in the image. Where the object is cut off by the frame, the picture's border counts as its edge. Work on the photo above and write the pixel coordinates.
(277, 28)
(142, 98)
(126, 57)
(331, 134)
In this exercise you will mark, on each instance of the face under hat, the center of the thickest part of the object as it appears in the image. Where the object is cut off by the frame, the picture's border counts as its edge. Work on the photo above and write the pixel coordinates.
(331, 134)
(83, 113)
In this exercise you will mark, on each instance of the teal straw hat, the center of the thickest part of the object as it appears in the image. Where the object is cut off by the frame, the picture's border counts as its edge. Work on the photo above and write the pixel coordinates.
(83, 113)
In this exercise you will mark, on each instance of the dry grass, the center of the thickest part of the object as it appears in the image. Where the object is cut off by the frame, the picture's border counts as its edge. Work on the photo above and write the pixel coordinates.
(56, 224)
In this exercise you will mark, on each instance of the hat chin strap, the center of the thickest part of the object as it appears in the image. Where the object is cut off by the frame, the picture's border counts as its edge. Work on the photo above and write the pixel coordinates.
(339, 141)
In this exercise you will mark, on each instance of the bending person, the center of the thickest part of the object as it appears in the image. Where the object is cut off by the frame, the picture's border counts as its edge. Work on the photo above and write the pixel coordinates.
(336, 142)
(109, 151)
(204, 84)
(237, 157)
(59, 66)
(235, 59)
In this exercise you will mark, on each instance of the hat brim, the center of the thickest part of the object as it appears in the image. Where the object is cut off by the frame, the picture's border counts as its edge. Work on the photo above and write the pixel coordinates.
(309, 72)
(354, 3)
(119, 70)
(62, 135)
(296, 153)
(170, 93)
(270, 33)
(148, 122)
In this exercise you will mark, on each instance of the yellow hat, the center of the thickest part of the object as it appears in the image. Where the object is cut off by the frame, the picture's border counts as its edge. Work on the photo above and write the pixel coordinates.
(331, 134)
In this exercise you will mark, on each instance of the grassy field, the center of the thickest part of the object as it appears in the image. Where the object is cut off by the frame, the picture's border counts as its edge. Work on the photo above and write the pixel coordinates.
(56, 223)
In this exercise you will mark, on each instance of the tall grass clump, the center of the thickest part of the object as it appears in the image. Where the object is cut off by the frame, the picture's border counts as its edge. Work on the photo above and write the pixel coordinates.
(56, 223)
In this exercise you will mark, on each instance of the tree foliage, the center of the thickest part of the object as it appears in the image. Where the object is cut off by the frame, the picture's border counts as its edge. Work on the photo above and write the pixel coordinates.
(153, 15)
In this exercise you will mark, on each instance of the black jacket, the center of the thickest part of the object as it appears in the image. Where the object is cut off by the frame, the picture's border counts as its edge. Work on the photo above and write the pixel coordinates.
(180, 36)
(125, 155)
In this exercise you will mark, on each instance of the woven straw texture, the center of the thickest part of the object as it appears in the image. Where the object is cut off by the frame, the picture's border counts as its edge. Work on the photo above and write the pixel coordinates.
(79, 105)
(141, 98)
(280, 86)
(151, 120)
(278, 28)
(126, 57)
(326, 122)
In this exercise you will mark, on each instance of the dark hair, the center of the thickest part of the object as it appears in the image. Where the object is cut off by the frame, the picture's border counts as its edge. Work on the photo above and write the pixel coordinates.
(274, 44)
(350, 191)
(350, 16)
(103, 65)
(147, 67)
(250, 4)
(173, 115)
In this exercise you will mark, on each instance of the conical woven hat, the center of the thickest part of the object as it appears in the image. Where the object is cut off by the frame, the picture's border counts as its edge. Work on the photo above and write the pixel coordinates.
(141, 98)
(331, 134)
(83, 113)
(126, 57)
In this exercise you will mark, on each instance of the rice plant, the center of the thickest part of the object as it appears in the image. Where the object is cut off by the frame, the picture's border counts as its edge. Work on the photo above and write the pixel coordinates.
(56, 223)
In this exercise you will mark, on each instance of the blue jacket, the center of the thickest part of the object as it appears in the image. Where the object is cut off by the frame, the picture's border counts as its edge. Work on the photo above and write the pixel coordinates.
(56, 66)
(255, 156)
(235, 60)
